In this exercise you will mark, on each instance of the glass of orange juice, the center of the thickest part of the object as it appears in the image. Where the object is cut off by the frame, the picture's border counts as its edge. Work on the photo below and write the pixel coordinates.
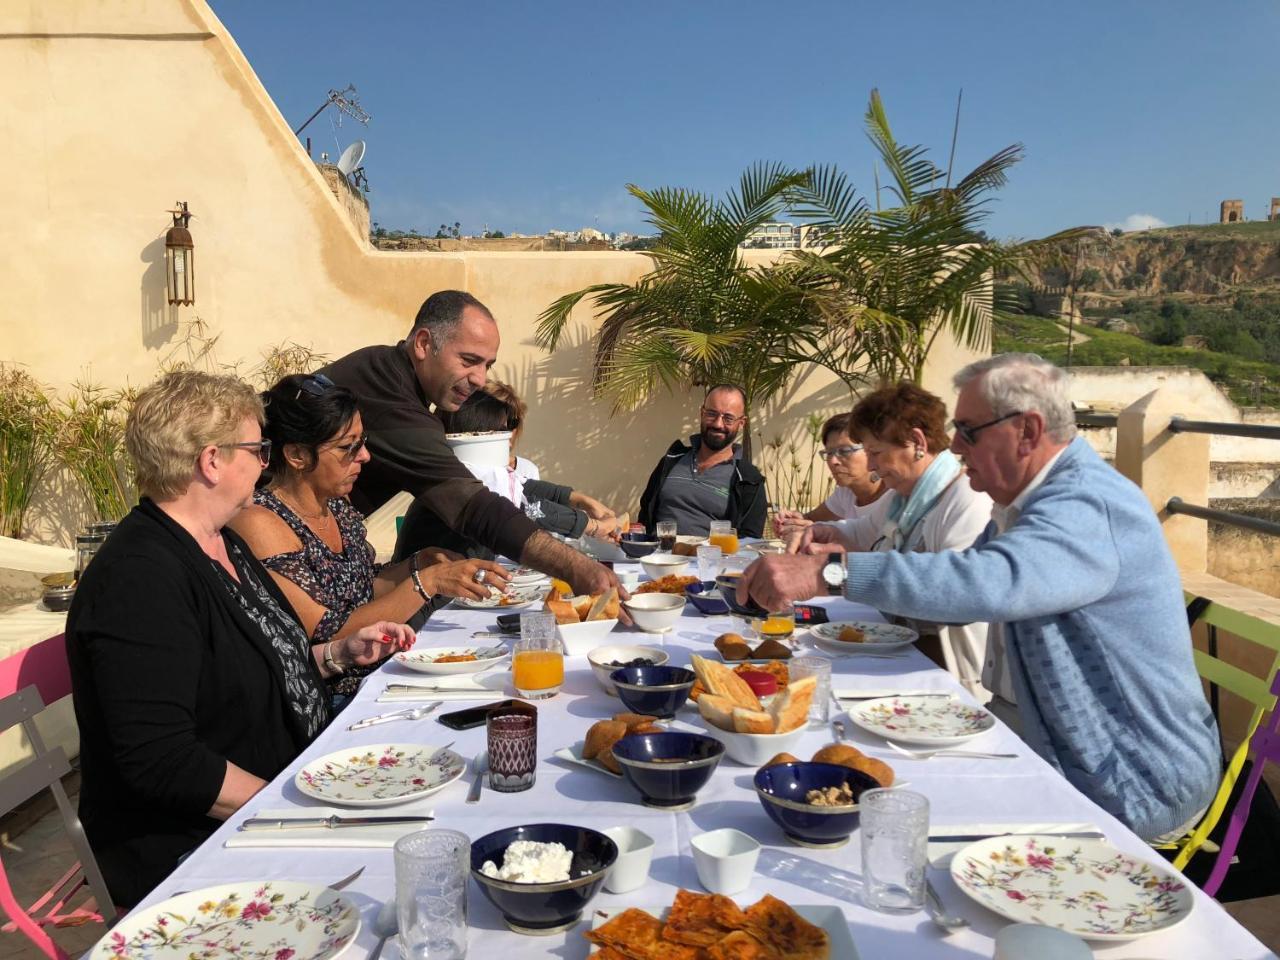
(722, 535)
(537, 666)
(779, 625)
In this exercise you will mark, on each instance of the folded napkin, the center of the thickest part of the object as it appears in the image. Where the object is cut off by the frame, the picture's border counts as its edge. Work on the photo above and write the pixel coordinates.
(381, 836)
(940, 854)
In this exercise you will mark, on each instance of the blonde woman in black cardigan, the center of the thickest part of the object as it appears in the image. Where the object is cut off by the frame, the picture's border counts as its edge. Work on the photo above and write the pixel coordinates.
(194, 683)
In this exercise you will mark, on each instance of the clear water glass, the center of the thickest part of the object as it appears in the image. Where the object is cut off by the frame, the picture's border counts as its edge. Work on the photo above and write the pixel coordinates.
(665, 531)
(709, 562)
(431, 894)
(820, 667)
(895, 835)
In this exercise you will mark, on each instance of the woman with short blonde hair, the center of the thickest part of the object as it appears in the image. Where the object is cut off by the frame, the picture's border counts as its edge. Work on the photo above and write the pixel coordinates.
(194, 683)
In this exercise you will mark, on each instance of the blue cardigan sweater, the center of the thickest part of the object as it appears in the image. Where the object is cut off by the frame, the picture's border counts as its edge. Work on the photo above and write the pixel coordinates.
(1097, 638)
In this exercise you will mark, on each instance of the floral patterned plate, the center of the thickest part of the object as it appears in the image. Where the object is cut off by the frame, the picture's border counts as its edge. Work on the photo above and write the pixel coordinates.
(875, 636)
(512, 600)
(273, 920)
(428, 661)
(1086, 887)
(379, 775)
(934, 721)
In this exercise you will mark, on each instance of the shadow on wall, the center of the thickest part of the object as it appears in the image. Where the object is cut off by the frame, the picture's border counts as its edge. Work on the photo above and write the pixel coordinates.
(59, 510)
(159, 318)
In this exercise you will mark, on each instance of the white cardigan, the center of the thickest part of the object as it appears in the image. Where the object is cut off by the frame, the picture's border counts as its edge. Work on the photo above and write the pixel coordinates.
(953, 523)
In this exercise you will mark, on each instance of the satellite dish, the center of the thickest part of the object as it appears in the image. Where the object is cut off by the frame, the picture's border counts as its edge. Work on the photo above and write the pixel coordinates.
(351, 158)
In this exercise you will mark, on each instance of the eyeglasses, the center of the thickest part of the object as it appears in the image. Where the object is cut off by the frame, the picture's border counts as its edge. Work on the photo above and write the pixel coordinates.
(316, 385)
(261, 447)
(840, 453)
(970, 434)
(351, 450)
(715, 416)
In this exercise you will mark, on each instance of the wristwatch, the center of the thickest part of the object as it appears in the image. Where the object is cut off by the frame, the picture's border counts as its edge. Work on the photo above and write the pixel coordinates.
(834, 574)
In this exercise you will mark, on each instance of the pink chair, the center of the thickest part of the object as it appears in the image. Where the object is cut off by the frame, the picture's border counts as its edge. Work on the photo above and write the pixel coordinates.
(29, 681)
(1264, 748)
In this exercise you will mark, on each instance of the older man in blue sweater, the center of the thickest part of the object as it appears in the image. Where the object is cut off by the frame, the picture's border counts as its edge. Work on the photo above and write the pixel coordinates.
(1076, 571)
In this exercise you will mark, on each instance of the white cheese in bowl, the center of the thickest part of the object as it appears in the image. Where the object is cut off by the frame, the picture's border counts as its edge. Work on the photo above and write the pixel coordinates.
(527, 861)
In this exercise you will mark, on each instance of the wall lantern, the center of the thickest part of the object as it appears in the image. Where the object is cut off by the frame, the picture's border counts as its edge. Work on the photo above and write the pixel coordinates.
(180, 258)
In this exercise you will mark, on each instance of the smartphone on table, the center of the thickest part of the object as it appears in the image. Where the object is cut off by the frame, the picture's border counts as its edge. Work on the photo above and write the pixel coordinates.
(471, 716)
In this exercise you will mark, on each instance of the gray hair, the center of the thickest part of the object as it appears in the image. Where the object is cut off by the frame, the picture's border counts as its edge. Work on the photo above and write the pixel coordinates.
(441, 313)
(1022, 382)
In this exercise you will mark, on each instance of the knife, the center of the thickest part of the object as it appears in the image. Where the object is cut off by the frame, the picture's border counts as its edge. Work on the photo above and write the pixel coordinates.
(973, 837)
(297, 823)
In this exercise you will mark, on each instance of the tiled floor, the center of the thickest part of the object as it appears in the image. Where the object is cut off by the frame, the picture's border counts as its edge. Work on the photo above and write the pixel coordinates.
(38, 855)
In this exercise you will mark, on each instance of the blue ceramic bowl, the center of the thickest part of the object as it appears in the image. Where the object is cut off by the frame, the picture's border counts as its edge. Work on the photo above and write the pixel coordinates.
(657, 691)
(668, 769)
(782, 789)
(727, 584)
(545, 908)
(637, 545)
(706, 597)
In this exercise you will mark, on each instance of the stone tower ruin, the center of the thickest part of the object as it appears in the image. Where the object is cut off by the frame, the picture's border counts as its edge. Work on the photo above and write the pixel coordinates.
(1275, 209)
(1231, 211)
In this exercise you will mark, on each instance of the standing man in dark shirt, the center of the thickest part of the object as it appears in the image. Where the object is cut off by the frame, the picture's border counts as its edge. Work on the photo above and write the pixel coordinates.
(445, 358)
(708, 479)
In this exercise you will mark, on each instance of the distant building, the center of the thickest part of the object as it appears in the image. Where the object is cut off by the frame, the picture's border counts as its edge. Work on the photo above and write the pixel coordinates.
(1231, 211)
(774, 236)
(1275, 209)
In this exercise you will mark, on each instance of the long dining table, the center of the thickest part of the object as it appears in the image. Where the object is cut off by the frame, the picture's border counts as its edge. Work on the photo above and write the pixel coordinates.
(964, 794)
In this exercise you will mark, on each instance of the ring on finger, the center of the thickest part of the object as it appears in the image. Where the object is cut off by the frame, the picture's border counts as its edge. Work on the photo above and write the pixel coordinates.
(478, 576)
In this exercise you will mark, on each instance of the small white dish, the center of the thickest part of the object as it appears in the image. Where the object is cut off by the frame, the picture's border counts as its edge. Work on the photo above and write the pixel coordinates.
(725, 860)
(655, 612)
(658, 565)
(579, 639)
(602, 658)
(574, 755)
(1018, 941)
(635, 854)
(753, 749)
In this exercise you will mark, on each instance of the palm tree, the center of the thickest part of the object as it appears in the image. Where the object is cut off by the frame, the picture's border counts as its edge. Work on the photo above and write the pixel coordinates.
(703, 315)
(896, 276)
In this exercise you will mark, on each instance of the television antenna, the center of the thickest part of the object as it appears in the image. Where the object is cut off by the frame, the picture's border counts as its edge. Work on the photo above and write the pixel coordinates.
(346, 101)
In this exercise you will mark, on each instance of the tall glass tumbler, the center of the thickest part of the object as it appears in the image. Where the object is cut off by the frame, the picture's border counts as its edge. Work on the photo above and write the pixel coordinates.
(432, 871)
(709, 562)
(895, 835)
(513, 747)
(665, 531)
(820, 667)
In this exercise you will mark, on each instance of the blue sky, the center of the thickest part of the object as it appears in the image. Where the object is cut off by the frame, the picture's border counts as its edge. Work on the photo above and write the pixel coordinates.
(528, 116)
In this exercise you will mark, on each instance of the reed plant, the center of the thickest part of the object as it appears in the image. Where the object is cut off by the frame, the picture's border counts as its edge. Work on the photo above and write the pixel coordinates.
(26, 443)
(283, 359)
(90, 444)
(791, 467)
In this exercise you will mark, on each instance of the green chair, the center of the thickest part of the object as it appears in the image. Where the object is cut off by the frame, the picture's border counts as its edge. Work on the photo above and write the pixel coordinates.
(1220, 676)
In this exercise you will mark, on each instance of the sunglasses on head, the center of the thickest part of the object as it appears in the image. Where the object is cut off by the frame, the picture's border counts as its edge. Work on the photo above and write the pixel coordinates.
(316, 384)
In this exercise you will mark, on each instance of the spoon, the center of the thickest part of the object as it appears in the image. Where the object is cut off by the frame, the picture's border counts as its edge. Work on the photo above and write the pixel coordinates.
(479, 767)
(938, 913)
(385, 924)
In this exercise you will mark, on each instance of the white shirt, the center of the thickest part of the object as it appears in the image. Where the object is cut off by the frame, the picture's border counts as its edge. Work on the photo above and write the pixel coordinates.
(995, 669)
(843, 502)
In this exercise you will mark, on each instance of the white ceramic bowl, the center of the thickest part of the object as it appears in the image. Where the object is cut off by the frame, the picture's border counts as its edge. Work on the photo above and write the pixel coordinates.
(725, 860)
(753, 749)
(579, 639)
(635, 854)
(664, 565)
(481, 449)
(654, 612)
(600, 657)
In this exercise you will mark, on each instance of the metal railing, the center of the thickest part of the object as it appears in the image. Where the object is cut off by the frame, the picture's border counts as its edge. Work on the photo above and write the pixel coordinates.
(1256, 431)
(1242, 520)
(1084, 419)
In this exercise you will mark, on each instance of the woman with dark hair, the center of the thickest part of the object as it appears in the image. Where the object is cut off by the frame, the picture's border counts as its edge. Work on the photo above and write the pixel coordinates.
(931, 506)
(312, 540)
(857, 486)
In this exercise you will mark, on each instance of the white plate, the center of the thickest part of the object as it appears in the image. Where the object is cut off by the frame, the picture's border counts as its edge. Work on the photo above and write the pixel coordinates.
(934, 721)
(574, 755)
(829, 918)
(379, 775)
(518, 597)
(1086, 887)
(879, 636)
(234, 921)
(423, 661)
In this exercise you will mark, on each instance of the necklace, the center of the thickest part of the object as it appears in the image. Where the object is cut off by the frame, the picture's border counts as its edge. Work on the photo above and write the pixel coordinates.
(323, 517)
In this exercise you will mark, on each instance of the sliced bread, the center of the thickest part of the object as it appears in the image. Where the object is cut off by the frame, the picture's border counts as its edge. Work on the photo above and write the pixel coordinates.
(717, 711)
(790, 708)
(752, 721)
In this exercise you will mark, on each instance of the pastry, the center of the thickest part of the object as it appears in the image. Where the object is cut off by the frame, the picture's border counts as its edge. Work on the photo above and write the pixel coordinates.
(732, 646)
(771, 650)
(602, 736)
(848, 756)
(634, 720)
(851, 635)
(779, 758)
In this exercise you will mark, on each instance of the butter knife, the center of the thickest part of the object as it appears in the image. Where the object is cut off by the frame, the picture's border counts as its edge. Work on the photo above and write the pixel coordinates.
(974, 837)
(435, 688)
(331, 823)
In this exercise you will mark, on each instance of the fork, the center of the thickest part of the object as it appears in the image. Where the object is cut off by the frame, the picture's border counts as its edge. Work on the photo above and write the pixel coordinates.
(944, 752)
(412, 713)
(335, 886)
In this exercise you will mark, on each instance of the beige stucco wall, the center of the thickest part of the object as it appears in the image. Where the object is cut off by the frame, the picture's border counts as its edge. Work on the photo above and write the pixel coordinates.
(119, 108)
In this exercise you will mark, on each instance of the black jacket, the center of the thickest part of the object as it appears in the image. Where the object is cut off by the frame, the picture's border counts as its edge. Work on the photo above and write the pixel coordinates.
(748, 504)
(170, 680)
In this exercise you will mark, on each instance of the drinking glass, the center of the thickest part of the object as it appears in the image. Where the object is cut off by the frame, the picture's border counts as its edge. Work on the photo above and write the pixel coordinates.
(722, 535)
(780, 625)
(537, 664)
(431, 894)
(895, 835)
(665, 530)
(820, 667)
(513, 747)
(708, 562)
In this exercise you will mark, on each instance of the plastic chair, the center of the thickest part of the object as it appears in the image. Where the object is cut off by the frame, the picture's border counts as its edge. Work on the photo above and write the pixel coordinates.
(29, 680)
(1264, 748)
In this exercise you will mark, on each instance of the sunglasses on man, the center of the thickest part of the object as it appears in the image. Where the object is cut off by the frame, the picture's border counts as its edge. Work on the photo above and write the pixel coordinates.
(970, 434)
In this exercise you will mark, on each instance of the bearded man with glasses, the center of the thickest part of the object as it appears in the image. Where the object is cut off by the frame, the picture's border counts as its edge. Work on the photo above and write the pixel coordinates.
(708, 479)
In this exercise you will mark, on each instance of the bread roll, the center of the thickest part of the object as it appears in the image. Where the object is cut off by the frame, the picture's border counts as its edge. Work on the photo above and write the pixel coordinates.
(732, 646)
(717, 711)
(751, 721)
(841, 753)
(779, 758)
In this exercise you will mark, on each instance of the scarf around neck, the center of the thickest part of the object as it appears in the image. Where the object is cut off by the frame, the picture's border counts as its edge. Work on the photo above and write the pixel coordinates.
(905, 513)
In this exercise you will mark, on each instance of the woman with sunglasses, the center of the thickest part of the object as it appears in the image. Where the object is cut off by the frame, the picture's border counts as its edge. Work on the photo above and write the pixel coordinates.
(931, 506)
(857, 487)
(304, 530)
(194, 683)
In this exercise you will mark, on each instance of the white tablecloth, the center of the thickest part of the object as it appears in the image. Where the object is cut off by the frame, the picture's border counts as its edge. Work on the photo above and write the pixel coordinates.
(960, 792)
